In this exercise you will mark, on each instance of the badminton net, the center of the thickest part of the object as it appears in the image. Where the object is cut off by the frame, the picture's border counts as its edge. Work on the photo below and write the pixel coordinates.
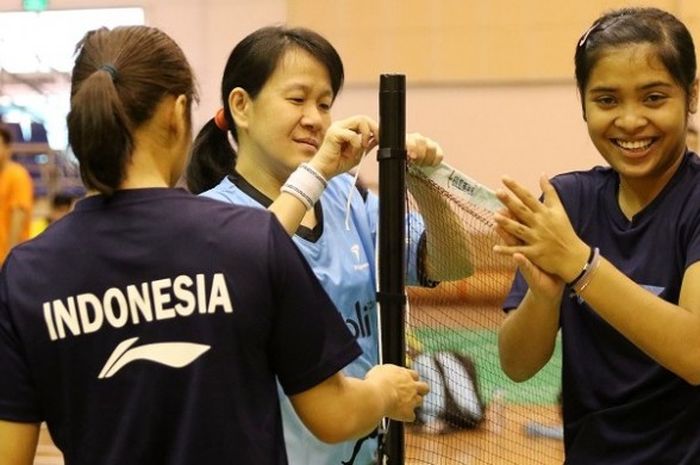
(474, 414)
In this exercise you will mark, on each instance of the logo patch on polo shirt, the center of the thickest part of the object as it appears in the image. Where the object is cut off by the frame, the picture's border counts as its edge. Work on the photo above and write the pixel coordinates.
(360, 264)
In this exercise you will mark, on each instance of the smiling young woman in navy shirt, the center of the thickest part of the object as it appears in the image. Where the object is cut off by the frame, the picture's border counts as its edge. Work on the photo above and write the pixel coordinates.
(611, 256)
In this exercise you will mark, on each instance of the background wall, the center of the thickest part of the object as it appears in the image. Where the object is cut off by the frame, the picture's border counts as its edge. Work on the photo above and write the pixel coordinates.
(491, 81)
(461, 40)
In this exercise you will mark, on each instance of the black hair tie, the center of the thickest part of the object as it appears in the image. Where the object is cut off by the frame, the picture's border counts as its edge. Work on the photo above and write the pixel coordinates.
(111, 70)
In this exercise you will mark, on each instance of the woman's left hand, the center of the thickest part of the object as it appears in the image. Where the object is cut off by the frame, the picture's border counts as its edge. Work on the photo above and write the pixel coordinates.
(423, 151)
(543, 231)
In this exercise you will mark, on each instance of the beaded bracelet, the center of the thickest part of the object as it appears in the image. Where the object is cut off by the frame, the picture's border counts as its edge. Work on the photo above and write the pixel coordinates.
(306, 184)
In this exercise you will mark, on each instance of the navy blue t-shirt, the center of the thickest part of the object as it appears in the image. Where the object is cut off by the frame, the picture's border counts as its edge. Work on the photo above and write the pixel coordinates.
(620, 406)
(149, 329)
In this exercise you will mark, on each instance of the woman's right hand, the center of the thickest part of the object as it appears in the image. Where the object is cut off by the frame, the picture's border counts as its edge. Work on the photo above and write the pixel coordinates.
(403, 389)
(345, 143)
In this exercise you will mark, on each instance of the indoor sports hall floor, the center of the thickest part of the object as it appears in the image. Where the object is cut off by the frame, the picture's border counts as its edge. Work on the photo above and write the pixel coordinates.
(504, 438)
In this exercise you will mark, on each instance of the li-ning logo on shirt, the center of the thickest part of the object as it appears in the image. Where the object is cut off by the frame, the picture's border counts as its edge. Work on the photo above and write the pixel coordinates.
(172, 354)
(359, 265)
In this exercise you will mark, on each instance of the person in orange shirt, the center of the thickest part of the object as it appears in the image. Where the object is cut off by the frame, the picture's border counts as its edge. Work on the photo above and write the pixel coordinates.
(16, 198)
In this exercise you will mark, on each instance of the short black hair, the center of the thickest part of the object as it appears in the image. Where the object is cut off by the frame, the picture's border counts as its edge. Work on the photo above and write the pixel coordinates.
(251, 63)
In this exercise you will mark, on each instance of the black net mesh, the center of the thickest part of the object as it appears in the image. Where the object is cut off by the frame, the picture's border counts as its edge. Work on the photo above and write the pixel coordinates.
(474, 414)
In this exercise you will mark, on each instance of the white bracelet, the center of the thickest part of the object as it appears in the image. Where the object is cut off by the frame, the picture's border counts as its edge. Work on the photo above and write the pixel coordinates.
(306, 184)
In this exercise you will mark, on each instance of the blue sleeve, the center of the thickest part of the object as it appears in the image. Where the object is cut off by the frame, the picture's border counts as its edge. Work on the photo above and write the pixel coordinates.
(372, 208)
(415, 245)
(18, 398)
(310, 341)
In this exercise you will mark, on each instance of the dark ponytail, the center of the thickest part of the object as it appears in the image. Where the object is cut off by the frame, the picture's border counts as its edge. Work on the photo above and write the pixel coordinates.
(100, 132)
(212, 159)
(119, 79)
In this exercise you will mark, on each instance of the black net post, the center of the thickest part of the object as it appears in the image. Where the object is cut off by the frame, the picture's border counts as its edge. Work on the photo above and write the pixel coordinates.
(392, 230)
